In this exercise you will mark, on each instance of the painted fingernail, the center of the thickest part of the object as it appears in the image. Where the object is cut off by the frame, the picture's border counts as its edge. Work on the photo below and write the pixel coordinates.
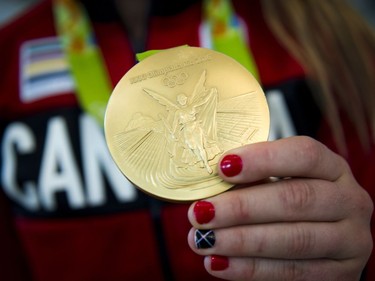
(219, 263)
(204, 211)
(204, 238)
(231, 165)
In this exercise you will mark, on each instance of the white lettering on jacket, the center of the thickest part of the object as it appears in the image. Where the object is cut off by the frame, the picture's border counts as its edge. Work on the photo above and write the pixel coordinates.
(59, 169)
(281, 122)
(18, 138)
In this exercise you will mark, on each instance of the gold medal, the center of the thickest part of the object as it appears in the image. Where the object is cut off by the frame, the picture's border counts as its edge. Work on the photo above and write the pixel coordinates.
(172, 116)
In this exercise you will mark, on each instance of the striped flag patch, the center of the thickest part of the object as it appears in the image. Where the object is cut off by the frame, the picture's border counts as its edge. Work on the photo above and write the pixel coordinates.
(44, 70)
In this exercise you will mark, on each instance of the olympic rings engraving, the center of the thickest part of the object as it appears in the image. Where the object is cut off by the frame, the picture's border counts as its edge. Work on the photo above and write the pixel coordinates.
(174, 80)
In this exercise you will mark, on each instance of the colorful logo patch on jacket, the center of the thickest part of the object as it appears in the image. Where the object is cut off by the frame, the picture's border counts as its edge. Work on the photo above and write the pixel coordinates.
(44, 70)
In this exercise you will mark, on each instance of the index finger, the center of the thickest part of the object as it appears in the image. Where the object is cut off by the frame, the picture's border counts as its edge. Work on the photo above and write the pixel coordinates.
(290, 157)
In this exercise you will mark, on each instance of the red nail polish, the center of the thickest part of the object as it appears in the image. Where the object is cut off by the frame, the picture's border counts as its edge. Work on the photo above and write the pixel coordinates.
(204, 211)
(219, 263)
(231, 165)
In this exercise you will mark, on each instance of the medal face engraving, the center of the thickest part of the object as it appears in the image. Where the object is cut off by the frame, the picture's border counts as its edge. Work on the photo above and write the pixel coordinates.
(173, 115)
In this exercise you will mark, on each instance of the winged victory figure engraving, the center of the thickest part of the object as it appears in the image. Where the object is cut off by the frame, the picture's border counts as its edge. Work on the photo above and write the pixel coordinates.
(182, 146)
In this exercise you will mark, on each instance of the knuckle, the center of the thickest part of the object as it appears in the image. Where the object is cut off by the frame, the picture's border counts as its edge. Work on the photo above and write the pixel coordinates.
(296, 196)
(301, 241)
(312, 151)
(269, 155)
(239, 243)
(359, 203)
(252, 269)
(366, 205)
(292, 270)
(240, 208)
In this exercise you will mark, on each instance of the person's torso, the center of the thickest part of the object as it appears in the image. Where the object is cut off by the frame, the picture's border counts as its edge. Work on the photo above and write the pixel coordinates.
(76, 214)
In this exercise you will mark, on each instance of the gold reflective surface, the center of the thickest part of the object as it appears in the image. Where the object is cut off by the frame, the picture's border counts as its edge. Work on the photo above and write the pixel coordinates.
(173, 115)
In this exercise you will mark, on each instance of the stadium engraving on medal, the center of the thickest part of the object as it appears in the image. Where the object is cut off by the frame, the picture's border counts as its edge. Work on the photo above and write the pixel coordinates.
(167, 126)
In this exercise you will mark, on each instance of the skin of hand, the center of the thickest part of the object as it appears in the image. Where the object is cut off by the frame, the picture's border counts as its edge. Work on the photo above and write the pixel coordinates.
(312, 223)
